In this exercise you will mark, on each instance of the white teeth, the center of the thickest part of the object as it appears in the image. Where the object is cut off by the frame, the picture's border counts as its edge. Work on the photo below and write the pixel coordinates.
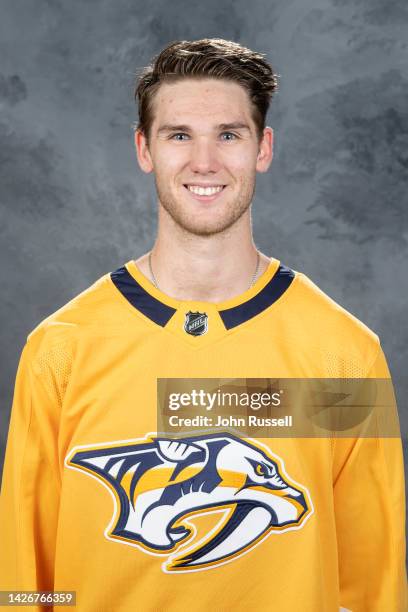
(207, 191)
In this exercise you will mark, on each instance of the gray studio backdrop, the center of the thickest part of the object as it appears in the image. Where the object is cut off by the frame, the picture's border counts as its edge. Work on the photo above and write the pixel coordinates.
(74, 204)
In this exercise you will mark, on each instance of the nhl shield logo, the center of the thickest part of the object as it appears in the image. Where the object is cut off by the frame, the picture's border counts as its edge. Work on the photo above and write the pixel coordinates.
(196, 323)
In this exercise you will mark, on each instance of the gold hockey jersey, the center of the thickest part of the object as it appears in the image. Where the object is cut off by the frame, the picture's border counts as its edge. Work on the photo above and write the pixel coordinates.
(95, 501)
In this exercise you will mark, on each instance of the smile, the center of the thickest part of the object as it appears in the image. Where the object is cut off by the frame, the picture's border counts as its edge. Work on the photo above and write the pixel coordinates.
(205, 193)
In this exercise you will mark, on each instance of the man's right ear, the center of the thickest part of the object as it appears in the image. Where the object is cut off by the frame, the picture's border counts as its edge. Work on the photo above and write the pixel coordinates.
(142, 152)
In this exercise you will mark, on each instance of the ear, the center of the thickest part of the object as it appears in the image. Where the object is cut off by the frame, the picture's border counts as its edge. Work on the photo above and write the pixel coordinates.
(265, 153)
(142, 152)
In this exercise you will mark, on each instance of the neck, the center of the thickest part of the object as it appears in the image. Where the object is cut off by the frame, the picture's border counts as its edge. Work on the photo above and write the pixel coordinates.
(203, 268)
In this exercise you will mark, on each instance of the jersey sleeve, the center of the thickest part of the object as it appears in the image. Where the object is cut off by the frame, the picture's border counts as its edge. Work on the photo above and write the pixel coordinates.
(369, 503)
(29, 497)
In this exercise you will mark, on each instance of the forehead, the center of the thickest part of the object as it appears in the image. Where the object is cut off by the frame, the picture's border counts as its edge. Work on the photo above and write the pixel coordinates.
(199, 100)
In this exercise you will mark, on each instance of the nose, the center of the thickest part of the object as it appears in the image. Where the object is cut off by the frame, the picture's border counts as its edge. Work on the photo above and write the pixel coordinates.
(204, 157)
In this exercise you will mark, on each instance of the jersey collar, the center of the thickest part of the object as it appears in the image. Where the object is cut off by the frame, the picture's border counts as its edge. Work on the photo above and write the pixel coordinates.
(160, 308)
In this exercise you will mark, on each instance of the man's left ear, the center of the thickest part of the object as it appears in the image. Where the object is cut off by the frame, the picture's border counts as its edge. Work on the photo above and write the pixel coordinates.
(265, 153)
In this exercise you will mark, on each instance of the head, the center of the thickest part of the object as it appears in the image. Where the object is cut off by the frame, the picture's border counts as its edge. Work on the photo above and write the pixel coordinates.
(201, 130)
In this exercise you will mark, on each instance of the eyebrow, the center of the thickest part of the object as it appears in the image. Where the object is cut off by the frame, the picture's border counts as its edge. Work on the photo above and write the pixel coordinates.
(237, 125)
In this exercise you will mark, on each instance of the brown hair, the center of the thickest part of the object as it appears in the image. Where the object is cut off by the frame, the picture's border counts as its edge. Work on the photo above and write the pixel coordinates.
(207, 58)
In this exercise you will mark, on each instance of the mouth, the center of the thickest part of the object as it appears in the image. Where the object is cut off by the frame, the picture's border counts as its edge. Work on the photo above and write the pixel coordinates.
(207, 193)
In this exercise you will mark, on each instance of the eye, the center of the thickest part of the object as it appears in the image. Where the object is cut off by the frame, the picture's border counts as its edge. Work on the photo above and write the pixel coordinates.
(179, 136)
(261, 470)
(230, 135)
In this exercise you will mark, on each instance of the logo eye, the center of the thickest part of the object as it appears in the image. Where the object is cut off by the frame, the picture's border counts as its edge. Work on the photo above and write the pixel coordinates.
(267, 471)
(261, 470)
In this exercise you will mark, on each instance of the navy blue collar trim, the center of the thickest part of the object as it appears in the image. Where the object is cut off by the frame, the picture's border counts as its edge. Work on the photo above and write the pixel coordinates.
(272, 291)
(161, 314)
(140, 298)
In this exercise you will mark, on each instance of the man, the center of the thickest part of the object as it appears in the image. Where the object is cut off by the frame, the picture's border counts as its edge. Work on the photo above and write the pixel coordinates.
(205, 519)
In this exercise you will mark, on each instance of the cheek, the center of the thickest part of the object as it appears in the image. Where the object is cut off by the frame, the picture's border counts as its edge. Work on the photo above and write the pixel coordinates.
(241, 163)
(168, 168)
(169, 162)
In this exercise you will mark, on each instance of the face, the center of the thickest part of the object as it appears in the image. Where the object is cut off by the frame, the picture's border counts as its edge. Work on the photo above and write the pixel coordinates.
(204, 151)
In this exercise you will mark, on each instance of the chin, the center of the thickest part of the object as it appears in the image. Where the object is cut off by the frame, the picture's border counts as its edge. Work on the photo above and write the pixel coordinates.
(204, 230)
(206, 227)
(198, 222)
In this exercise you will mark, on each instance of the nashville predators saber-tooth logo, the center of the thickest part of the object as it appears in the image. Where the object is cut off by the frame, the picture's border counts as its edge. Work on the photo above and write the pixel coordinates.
(161, 486)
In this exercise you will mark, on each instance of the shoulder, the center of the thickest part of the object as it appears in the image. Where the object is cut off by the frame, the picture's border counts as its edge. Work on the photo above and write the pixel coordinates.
(317, 304)
(338, 334)
(86, 312)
